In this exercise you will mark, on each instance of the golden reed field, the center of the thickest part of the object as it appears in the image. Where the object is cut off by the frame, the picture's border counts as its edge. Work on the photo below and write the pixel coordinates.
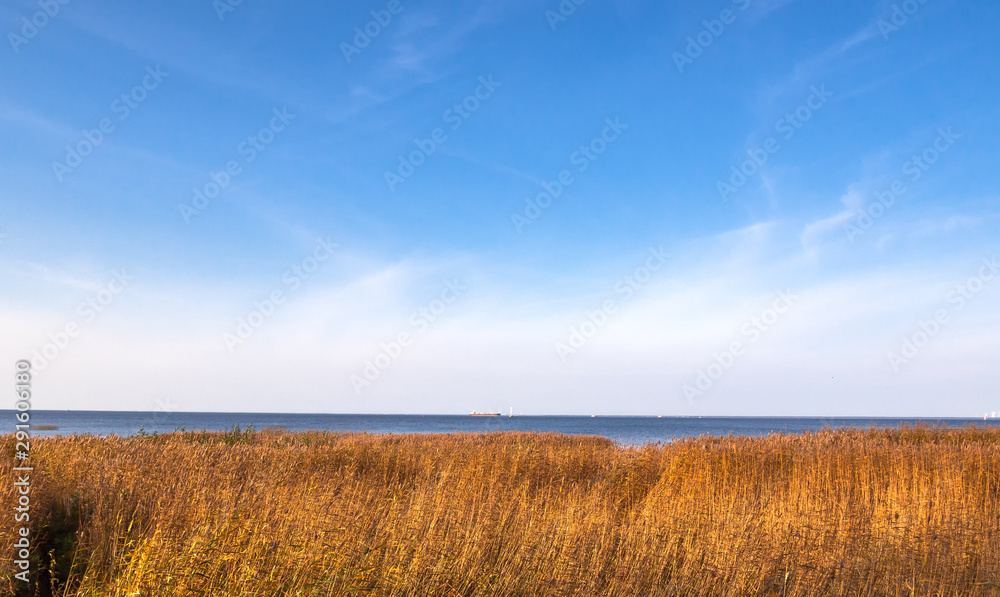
(912, 511)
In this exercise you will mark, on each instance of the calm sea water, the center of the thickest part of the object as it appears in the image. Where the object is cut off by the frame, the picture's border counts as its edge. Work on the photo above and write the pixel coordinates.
(625, 430)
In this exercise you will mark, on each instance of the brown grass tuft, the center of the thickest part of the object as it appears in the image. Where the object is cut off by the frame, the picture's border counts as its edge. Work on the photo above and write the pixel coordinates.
(912, 511)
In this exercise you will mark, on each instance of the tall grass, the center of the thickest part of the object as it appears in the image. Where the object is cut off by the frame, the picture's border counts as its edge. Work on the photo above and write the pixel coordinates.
(912, 511)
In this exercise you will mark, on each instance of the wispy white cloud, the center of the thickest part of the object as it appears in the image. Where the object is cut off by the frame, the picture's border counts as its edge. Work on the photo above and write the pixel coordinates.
(638, 362)
(26, 118)
(813, 69)
(496, 167)
(761, 8)
(60, 277)
(423, 38)
(814, 233)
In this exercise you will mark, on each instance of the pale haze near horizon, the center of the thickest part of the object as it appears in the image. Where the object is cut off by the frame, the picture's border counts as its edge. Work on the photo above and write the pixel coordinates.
(624, 294)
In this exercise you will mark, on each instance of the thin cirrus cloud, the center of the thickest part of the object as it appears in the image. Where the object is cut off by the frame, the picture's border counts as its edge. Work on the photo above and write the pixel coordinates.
(528, 295)
(641, 358)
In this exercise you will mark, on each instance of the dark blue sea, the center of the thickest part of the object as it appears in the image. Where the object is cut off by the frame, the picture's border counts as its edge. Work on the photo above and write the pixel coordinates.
(625, 430)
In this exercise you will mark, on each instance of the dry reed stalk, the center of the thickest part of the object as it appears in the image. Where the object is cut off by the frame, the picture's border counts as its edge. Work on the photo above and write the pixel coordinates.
(911, 511)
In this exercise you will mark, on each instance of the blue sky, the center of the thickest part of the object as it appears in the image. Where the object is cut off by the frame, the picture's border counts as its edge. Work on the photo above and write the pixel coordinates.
(643, 110)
